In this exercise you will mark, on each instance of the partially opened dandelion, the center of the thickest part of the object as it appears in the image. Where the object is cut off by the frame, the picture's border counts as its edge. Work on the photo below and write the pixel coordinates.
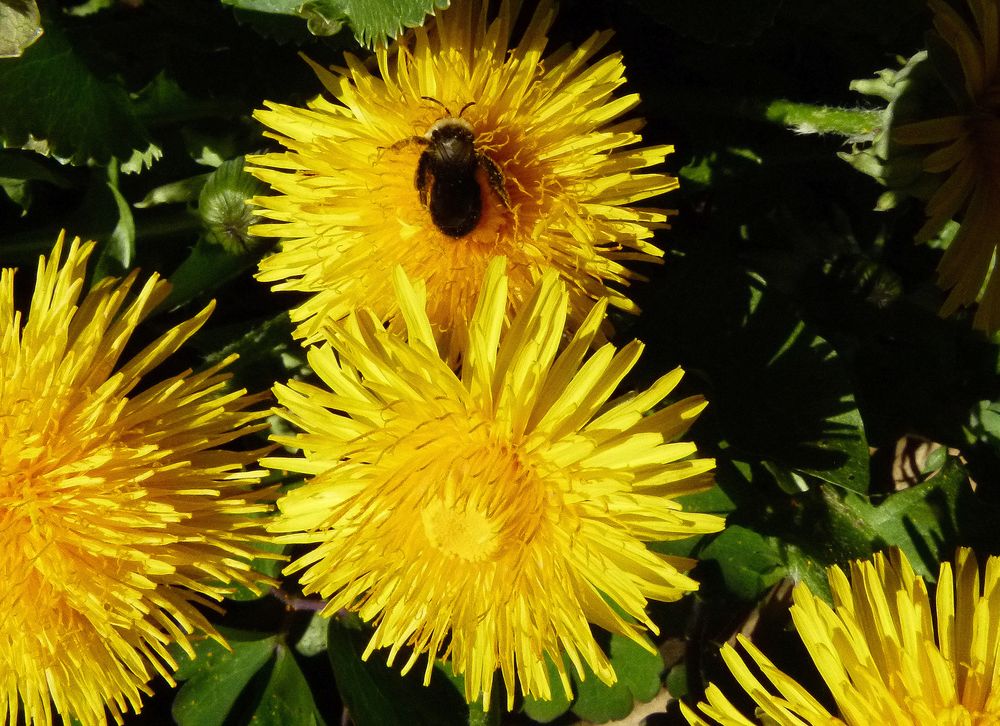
(489, 518)
(884, 656)
(457, 151)
(966, 153)
(119, 511)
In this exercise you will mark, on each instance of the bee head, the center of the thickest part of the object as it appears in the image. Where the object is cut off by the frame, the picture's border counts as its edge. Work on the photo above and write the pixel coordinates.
(452, 138)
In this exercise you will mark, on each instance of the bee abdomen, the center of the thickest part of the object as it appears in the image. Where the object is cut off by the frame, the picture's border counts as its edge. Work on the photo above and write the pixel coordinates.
(455, 203)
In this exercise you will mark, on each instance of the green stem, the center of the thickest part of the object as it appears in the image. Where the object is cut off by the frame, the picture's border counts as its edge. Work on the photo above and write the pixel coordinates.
(802, 117)
(807, 118)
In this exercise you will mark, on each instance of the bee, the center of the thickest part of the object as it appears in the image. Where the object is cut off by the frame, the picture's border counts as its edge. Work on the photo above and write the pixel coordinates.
(446, 174)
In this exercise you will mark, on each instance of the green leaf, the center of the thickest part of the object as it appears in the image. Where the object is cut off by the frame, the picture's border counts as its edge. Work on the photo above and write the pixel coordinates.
(176, 192)
(323, 17)
(278, 7)
(18, 172)
(25, 166)
(545, 711)
(377, 695)
(266, 350)
(119, 250)
(55, 104)
(371, 20)
(749, 562)
(163, 101)
(313, 639)
(216, 677)
(287, 698)
(925, 521)
(638, 673)
(598, 702)
(207, 268)
(21, 26)
(271, 567)
(637, 668)
(777, 389)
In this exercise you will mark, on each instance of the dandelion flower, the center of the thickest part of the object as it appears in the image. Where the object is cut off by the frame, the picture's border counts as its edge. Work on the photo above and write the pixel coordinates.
(879, 652)
(967, 155)
(549, 130)
(118, 511)
(489, 518)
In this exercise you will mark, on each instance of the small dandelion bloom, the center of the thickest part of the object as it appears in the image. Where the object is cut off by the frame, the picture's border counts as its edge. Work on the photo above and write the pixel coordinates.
(967, 155)
(118, 510)
(490, 517)
(879, 652)
(460, 150)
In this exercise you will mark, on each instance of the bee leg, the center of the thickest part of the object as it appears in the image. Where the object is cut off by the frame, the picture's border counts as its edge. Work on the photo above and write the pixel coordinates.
(420, 180)
(402, 143)
(495, 177)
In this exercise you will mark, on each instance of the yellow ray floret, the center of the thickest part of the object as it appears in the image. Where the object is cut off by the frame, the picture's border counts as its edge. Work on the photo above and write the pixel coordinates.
(490, 517)
(879, 653)
(348, 210)
(118, 511)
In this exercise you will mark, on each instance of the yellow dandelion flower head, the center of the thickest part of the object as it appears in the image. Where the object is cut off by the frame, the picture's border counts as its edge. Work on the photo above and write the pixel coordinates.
(516, 153)
(489, 517)
(118, 512)
(882, 652)
(967, 154)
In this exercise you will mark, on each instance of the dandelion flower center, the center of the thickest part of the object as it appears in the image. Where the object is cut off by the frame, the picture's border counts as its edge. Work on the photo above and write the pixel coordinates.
(460, 531)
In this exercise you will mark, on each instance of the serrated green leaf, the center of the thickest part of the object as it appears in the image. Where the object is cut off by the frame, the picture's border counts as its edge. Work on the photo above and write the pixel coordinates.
(377, 695)
(803, 567)
(216, 677)
(922, 520)
(20, 26)
(55, 104)
(25, 166)
(373, 20)
(287, 698)
(323, 17)
(277, 7)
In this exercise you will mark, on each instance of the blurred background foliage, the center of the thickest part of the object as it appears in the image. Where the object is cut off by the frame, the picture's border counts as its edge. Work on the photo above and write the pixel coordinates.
(845, 415)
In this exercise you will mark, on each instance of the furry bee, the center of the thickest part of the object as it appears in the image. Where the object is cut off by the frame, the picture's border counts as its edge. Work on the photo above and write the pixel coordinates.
(446, 174)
